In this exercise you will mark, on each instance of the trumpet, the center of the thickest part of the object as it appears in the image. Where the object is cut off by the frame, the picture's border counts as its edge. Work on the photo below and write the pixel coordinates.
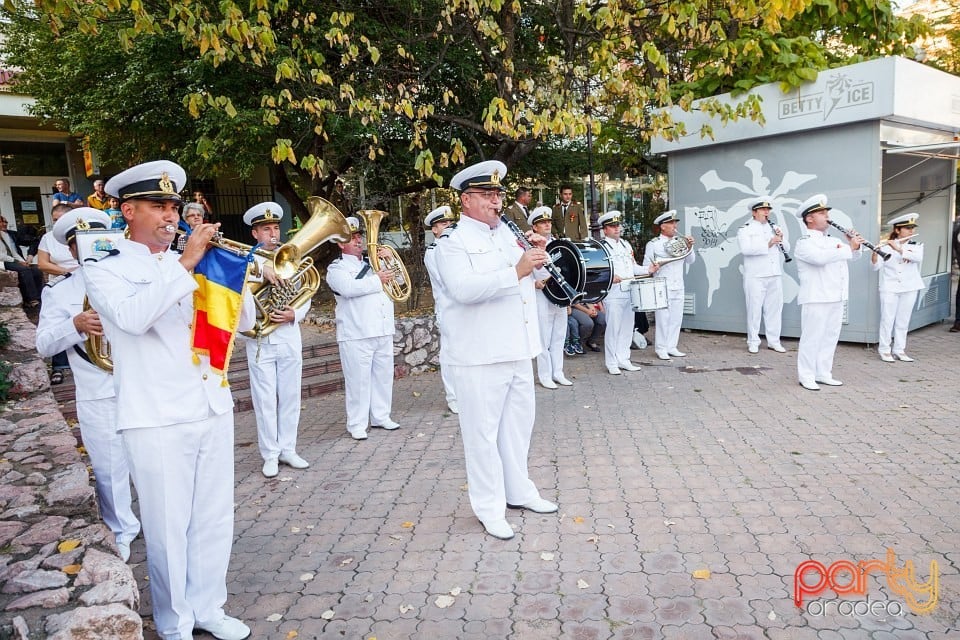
(237, 248)
(883, 254)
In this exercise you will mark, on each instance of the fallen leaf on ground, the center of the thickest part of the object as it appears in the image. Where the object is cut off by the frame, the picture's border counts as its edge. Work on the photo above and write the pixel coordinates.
(546, 556)
(455, 591)
(407, 525)
(405, 608)
(286, 479)
(274, 617)
(71, 569)
(396, 537)
(68, 545)
(306, 577)
(593, 539)
(771, 616)
(294, 529)
(611, 526)
(443, 602)
(328, 614)
(346, 561)
(669, 522)
(578, 519)
(582, 584)
(292, 634)
(702, 574)
(416, 394)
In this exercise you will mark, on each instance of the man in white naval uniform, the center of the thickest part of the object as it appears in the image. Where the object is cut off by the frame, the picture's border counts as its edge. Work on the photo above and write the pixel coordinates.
(900, 283)
(65, 326)
(490, 334)
(824, 286)
(762, 275)
(552, 318)
(669, 320)
(175, 416)
(365, 329)
(438, 220)
(619, 332)
(275, 360)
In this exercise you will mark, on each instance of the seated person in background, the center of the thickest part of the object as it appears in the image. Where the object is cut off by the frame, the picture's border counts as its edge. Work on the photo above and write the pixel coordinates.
(572, 346)
(29, 278)
(593, 322)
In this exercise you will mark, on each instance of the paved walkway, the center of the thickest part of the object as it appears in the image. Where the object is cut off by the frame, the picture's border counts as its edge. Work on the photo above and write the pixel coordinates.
(689, 492)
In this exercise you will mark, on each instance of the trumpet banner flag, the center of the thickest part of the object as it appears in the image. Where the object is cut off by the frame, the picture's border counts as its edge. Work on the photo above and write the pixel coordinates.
(221, 276)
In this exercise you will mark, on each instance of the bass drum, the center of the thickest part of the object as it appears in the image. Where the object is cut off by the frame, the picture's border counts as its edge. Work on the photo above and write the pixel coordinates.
(599, 278)
(566, 257)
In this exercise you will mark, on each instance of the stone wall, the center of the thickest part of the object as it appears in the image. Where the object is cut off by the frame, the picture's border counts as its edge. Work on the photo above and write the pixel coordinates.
(60, 574)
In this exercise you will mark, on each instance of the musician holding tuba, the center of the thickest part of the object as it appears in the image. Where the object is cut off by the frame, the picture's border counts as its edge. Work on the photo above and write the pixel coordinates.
(619, 331)
(365, 329)
(669, 246)
(900, 283)
(824, 286)
(275, 359)
(763, 247)
(64, 326)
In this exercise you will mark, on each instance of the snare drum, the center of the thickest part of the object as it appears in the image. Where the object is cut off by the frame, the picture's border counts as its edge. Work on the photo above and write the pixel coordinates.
(599, 272)
(648, 294)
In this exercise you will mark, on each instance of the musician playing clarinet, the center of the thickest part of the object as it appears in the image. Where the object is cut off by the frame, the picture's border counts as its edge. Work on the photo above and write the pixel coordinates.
(763, 248)
(824, 286)
(488, 337)
(900, 283)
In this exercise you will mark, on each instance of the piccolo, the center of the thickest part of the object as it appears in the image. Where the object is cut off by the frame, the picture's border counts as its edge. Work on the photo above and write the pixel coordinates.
(786, 256)
(568, 291)
(880, 252)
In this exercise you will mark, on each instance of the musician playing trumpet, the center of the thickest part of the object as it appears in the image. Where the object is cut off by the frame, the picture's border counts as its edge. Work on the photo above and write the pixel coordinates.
(824, 286)
(275, 360)
(660, 248)
(762, 275)
(900, 283)
(619, 331)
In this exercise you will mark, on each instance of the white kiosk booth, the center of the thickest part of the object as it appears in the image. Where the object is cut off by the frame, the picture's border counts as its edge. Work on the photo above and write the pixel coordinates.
(879, 138)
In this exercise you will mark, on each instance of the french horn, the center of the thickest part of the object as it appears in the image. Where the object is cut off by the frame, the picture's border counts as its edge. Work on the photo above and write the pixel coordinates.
(398, 289)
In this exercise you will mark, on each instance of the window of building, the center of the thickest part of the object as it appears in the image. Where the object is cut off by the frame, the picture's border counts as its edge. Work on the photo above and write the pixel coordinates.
(33, 158)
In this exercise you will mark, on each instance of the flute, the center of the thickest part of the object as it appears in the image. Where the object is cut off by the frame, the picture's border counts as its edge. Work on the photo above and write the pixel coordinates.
(568, 291)
(880, 252)
(786, 256)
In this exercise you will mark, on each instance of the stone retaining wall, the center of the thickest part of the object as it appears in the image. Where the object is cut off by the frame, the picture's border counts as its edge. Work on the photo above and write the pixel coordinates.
(60, 573)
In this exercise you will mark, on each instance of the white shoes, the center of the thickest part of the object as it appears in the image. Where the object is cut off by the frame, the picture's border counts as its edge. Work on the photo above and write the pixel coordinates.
(453, 406)
(663, 355)
(271, 468)
(902, 357)
(498, 529)
(629, 366)
(887, 357)
(548, 384)
(676, 353)
(830, 382)
(538, 505)
(293, 460)
(776, 347)
(226, 629)
(614, 371)
(388, 425)
(639, 340)
(810, 386)
(561, 380)
(124, 549)
(752, 348)
(362, 435)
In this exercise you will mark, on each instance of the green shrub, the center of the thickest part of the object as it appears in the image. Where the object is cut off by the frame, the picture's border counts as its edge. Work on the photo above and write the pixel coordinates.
(5, 369)
(4, 335)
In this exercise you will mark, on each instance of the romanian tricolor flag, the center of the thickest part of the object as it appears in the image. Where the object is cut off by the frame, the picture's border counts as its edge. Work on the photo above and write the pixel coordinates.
(217, 301)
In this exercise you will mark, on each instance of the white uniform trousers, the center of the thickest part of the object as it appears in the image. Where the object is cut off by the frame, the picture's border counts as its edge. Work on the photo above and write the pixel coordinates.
(764, 298)
(368, 381)
(497, 411)
(184, 479)
(447, 378)
(619, 331)
(275, 388)
(668, 322)
(895, 312)
(98, 427)
(820, 325)
(553, 333)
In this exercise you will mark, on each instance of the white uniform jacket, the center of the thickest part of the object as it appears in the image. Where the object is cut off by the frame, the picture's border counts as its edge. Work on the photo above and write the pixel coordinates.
(901, 273)
(363, 309)
(759, 259)
(822, 268)
(673, 272)
(56, 332)
(288, 332)
(494, 314)
(623, 262)
(145, 302)
(441, 299)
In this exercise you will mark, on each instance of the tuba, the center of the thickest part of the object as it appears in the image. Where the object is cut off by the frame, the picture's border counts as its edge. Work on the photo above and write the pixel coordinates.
(299, 279)
(399, 288)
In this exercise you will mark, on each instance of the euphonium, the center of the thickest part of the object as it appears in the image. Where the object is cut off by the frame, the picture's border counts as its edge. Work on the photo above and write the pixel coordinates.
(97, 347)
(298, 279)
(398, 289)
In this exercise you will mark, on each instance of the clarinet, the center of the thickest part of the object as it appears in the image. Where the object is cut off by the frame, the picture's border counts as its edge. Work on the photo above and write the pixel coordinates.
(880, 252)
(786, 256)
(571, 294)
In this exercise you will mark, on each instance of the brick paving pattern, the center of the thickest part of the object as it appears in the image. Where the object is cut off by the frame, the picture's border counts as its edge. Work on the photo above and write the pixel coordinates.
(716, 462)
